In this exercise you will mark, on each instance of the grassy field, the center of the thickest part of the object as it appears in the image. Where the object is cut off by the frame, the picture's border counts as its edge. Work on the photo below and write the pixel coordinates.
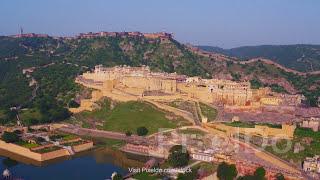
(240, 124)
(64, 137)
(127, 116)
(208, 111)
(48, 149)
(301, 136)
(184, 105)
(27, 115)
(207, 167)
(112, 143)
(27, 145)
(188, 106)
(145, 176)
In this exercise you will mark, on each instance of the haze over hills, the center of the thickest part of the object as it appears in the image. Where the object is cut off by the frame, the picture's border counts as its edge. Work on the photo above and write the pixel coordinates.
(301, 57)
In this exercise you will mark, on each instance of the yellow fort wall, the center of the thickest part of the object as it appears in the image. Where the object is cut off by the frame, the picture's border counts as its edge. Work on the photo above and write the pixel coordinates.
(83, 147)
(275, 101)
(150, 84)
(287, 131)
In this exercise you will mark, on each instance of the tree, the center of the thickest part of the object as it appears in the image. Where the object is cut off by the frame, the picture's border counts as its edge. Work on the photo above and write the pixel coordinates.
(279, 176)
(256, 83)
(128, 133)
(178, 156)
(73, 104)
(18, 132)
(226, 171)
(10, 137)
(40, 140)
(117, 177)
(260, 173)
(188, 175)
(247, 177)
(142, 131)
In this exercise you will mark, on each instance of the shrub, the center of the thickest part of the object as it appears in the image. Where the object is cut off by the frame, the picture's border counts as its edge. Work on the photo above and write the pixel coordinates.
(73, 104)
(40, 140)
(142, 131)
(10, 137)
(178, 156)
(128, 133)
(279, 176)
(117, 177)
(260, 173)
(226, 171)
(18, 132)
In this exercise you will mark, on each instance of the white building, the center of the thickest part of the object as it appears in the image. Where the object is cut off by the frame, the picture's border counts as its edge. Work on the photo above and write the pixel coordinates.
(208, 157)
(312, 164)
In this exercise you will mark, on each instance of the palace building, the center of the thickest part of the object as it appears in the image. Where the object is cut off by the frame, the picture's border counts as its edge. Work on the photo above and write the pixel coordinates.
(141, 81)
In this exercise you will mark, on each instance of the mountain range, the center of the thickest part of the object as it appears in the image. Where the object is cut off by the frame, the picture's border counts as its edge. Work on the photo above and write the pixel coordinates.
(301, 57)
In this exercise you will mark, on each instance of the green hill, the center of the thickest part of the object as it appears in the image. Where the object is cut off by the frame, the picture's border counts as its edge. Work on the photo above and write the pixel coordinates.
(300, 57)
(57, 61)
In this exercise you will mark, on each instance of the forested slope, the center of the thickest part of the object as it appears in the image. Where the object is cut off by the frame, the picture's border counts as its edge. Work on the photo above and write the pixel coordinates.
(56, 62)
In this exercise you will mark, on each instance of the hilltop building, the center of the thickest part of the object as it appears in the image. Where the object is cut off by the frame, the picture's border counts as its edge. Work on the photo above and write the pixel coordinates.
(29, 35)
(141, 81)
(161, 35)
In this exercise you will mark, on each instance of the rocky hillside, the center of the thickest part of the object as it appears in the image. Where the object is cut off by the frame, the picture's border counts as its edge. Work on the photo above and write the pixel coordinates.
(53, 63)
(300, 57)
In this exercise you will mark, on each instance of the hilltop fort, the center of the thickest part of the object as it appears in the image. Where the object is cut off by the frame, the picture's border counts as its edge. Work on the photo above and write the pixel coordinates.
(140, 82)
(159, 35)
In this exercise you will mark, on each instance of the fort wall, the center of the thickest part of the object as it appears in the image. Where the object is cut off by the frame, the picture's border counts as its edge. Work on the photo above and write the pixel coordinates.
(25, 152)
(82, 147)
(287, 131)
(88, 104)
(54, 154)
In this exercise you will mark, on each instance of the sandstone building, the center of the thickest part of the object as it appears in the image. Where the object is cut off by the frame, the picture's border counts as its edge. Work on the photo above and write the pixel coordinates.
(141, 81)
(134, 80)
(312, 123)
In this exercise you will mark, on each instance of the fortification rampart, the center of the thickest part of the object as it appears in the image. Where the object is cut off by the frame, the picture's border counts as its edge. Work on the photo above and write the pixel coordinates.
(25, 152)
(83, 147)
(286, 131)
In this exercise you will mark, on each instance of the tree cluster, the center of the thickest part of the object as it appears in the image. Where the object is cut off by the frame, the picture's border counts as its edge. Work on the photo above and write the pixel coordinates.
(179, 156)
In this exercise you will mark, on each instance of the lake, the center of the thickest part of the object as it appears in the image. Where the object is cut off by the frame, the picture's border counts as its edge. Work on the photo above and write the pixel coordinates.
(98, 164)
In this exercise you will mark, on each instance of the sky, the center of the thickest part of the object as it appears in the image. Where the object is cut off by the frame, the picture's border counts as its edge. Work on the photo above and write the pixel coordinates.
(223, 23)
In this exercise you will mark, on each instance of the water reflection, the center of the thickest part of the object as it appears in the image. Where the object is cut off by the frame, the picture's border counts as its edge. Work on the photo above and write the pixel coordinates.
(95, 164)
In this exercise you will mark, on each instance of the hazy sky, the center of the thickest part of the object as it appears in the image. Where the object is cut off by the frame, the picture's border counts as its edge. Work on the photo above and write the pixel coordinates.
(225, 23)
